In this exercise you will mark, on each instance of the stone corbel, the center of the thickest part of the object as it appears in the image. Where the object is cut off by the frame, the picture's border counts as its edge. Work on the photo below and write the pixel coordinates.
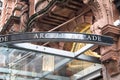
(110, 55)
(112, 67)
(111, 62)
(111, 30)
(114, 32)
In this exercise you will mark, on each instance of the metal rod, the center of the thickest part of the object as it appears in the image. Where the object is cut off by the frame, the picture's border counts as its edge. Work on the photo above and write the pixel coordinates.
(83, 49)
(57, 52)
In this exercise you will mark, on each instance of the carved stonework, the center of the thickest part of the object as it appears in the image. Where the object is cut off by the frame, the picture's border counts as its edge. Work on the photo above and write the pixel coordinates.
(24, 14)
(86, 1)
(96, 27)
(103, 14)
(6, 12)
(32, 7)
(111, 54)
(17, 9)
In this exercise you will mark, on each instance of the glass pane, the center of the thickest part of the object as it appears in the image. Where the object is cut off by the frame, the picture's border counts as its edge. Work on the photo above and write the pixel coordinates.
(26, 65)
(22, 64)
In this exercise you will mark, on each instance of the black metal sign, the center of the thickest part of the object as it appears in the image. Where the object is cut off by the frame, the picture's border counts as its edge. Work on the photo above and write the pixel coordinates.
(56, 36)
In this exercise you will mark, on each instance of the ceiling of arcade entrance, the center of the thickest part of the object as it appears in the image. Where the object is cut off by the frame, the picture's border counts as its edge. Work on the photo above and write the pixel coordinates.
(62, 15)
(67, 15)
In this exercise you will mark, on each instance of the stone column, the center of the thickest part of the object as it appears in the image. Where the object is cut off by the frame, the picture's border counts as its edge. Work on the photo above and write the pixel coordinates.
(110, 55)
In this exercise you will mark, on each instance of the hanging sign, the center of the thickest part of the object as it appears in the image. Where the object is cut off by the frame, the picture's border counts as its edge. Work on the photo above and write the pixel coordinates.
(56, 36)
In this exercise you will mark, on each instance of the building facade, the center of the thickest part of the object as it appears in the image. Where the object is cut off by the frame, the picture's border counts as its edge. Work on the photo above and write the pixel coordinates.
(100, 17)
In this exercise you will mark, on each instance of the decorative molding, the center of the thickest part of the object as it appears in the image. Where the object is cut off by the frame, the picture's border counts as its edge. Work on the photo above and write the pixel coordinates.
(103, 14)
